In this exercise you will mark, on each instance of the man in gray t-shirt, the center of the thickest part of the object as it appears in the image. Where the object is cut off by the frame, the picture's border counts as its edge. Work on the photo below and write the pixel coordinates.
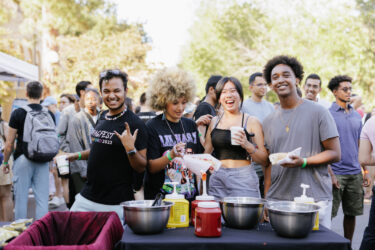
(299, 123)
(260, 108)
(256, 105)
(309, 125)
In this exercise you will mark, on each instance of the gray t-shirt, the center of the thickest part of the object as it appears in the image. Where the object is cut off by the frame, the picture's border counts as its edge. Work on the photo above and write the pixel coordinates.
(258, 109)
(309, 124)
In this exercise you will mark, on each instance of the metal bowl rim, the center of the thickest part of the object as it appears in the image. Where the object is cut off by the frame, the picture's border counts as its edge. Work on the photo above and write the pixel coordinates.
(261, 201)
(280, 211)
(126, 206)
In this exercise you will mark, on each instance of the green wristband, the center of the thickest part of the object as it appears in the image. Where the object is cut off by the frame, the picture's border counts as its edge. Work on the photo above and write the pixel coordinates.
(169, 155)
(5, 163)
(199, 134)
(304, 163)
(79, 156)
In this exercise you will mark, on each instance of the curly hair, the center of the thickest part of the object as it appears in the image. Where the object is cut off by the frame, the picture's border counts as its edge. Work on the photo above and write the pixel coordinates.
(168, 85)
(334, 83)
(292, 62)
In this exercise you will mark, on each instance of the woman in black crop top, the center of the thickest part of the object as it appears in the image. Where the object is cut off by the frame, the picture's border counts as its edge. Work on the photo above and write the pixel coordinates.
(236, 177)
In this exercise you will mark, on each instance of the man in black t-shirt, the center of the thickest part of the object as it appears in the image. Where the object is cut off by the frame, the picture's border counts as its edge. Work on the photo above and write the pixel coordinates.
(27, 173)
(119, 143)
(207, 107)
(145, 112)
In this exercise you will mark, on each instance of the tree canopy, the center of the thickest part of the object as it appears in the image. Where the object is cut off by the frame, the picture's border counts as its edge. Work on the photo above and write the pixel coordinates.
(75, 39)
(328, 37)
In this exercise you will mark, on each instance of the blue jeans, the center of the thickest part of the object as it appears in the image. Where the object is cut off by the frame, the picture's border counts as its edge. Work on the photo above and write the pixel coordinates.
(368, 241)
(28, 174)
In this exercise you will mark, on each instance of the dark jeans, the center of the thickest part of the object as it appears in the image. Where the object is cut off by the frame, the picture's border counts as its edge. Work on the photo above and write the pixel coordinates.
(368, 241)
(76, 183)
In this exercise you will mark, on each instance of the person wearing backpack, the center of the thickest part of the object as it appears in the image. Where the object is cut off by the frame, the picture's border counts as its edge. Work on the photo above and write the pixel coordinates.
(37, 144)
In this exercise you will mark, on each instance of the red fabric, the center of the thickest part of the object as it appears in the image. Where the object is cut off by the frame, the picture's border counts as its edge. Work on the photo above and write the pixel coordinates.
(71, 230)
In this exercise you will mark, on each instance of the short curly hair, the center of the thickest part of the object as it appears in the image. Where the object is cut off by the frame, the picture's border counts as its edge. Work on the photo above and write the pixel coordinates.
(168, 85)
(334, 83)
(292, 62)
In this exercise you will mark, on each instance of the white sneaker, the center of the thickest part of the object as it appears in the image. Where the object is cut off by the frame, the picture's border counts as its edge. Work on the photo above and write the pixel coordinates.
(62, 201)
(55, 202)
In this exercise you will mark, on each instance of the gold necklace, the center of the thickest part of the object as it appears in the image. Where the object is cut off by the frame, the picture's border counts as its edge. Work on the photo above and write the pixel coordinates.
(293, 114)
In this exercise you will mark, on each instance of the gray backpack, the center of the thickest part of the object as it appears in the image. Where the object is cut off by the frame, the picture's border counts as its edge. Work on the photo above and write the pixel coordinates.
(39, 135)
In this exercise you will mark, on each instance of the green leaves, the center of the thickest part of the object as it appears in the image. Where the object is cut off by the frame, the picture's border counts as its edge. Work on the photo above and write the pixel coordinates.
(328, 37)
(72, 40)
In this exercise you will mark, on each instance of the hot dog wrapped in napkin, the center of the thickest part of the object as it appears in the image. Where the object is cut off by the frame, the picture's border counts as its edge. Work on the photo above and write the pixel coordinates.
(281, 158)
(201, 162)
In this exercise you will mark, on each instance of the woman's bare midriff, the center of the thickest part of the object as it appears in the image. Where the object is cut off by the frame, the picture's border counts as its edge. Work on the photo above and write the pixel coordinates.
(234, 163)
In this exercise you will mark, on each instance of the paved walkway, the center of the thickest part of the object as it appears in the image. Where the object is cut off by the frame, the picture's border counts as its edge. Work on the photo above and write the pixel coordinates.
(361, 223)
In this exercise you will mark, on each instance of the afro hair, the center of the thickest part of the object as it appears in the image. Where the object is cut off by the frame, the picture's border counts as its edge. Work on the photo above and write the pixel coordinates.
(168, 85)
(292, 62)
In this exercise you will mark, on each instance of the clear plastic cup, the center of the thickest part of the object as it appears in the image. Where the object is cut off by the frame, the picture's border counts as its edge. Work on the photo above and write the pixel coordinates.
(233, 131)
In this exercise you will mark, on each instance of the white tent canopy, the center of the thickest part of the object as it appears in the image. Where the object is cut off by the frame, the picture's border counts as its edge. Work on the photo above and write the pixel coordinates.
(13, 69)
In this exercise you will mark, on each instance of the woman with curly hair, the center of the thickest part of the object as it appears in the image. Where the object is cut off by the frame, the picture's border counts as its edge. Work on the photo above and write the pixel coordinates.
(171, 134)
(236, 177)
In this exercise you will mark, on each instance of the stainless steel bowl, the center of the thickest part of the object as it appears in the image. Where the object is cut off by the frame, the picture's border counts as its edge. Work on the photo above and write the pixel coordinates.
(242, 212)
(142, 218)
(291, 219)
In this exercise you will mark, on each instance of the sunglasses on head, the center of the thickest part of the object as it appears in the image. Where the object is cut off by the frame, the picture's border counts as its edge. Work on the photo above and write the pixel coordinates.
(104, 73)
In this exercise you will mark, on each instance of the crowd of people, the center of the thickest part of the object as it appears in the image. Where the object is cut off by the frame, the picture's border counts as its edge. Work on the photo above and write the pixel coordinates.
(122, 152)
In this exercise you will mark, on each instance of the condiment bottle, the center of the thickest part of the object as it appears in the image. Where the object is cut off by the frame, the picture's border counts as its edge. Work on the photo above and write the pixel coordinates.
(204, 197)
(304, 199)
(179, 214)
(208, 219)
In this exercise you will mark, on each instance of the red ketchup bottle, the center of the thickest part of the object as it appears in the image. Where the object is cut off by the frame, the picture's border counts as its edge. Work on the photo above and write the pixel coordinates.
(204, 197)
(208, 220)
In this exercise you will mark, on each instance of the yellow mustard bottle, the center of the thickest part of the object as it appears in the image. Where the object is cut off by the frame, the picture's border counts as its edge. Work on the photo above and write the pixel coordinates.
(179, 214)
(304, 199)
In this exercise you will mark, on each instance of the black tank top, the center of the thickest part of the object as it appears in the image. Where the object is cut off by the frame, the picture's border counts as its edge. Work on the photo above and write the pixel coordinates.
(223, 148)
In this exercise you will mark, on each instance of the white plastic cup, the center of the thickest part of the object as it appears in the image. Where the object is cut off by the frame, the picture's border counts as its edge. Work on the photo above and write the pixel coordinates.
(233, 132)
(62, 164)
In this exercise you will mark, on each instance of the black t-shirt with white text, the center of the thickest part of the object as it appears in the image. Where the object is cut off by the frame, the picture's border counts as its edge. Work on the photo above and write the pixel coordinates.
(161, 139)
(17, 121)
(109, 173)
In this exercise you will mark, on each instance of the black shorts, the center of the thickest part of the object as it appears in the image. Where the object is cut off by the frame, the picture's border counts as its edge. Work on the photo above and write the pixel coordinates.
(65, 176)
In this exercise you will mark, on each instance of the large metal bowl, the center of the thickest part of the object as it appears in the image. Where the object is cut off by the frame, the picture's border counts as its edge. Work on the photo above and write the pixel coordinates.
(142, 218)
(242, 212)
(291, 219)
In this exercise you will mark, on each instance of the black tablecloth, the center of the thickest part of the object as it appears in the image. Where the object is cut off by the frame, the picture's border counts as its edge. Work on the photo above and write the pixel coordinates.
(263, 237)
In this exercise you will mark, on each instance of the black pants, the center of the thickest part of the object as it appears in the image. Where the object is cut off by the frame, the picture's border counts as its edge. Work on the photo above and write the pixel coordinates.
(76, 183)
(368, 241)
